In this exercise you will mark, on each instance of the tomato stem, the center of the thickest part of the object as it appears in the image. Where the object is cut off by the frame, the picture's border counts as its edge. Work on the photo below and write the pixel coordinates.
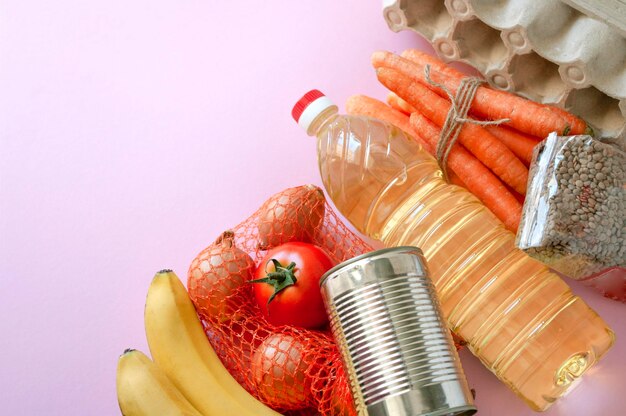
(281, 278)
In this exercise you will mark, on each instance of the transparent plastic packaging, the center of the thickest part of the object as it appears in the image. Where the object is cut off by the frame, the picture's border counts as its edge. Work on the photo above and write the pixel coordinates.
(521, 320)
(574, 216)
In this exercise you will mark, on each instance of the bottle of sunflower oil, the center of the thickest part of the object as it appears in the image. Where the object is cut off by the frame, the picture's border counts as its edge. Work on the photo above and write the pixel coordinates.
(520, 319)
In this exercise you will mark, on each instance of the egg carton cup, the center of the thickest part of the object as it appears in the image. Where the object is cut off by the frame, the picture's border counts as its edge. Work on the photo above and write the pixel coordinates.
(569, 53)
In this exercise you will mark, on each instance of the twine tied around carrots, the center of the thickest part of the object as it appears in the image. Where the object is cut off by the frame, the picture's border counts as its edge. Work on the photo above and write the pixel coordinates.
(456, 117)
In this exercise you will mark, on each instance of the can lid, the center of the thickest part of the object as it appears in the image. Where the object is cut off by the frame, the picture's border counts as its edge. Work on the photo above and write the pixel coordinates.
(374, 253)
(311, 105)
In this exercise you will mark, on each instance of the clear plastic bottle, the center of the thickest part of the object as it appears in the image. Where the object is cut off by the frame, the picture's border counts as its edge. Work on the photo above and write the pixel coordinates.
(521, 320)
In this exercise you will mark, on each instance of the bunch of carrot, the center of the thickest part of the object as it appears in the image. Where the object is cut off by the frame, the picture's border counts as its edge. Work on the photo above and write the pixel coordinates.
(490, 161)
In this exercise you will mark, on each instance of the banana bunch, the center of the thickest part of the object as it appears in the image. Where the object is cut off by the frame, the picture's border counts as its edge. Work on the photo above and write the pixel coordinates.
(187, 377)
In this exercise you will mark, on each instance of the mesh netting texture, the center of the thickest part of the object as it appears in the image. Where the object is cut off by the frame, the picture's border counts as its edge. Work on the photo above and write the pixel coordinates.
(295, 371)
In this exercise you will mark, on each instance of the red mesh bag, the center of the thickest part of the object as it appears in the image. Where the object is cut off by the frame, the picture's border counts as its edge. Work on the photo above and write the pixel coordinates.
(293, 370)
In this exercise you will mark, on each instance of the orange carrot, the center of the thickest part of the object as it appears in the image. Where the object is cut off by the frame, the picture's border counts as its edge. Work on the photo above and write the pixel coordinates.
(361, 105)
(453, 178)
(489, 150)
(417, 56)
(422, 58)
(479, 180)
(399, 104)
(525, 115)
(521, 144)
(520, 198)
(456, 179)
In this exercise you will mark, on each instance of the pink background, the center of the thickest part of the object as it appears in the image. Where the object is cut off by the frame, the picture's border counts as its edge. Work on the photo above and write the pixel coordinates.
(132, 133)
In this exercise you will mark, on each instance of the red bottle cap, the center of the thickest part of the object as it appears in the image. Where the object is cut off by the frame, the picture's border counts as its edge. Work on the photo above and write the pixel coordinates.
(304, 102)
(309, 107)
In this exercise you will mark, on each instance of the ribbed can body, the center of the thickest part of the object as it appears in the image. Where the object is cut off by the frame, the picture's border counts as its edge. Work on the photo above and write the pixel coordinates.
(396, 348)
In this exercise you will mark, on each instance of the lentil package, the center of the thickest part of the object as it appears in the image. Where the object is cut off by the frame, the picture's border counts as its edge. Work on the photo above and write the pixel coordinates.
(574, 216)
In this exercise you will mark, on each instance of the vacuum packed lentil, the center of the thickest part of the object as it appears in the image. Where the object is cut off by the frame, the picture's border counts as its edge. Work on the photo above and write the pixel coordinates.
(574, 216)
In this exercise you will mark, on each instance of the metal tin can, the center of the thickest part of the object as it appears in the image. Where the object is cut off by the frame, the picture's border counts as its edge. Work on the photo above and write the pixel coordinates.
(397, 351)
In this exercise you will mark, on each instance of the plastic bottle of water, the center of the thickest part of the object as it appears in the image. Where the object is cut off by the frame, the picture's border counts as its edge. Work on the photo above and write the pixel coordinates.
(521, 320)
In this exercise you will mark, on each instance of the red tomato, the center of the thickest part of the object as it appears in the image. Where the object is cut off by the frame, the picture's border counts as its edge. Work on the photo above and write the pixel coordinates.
(287, 285)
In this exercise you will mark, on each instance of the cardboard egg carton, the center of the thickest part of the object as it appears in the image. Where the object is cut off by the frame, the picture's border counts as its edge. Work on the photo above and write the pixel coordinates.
(570, 53)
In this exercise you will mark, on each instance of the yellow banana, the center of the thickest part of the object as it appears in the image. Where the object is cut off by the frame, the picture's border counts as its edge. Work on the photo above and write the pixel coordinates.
(181, 349)
(144, 390)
